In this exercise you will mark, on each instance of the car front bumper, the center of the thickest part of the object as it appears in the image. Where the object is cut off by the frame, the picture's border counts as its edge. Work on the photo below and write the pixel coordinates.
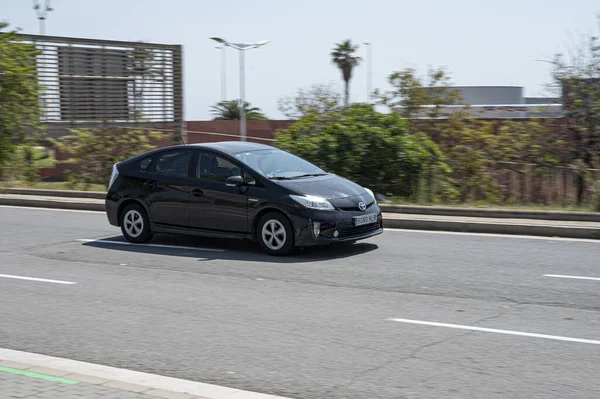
(334, 226)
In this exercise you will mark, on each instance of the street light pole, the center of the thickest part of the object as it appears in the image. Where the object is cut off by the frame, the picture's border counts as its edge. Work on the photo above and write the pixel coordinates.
(369, 70)
(241, 47)
(242, 105)
(223, 74)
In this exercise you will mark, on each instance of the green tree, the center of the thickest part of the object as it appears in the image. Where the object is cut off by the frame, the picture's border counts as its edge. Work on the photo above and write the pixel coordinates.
(317, 98)
(370, 148)
(412, 97)
(577, 77)
(19, 92)
(343, 55)
(230, 110)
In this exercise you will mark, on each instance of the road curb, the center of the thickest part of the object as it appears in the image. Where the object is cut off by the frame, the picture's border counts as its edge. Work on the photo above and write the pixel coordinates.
(492, 213)
(392, 221)
(55, 193)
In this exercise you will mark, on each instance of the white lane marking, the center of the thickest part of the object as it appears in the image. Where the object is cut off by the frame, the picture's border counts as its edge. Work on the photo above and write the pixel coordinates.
(155, 381)
(152, 245)
(493, 330)
(513, 236)
(43, 280)
(39, 208)
(575, 277)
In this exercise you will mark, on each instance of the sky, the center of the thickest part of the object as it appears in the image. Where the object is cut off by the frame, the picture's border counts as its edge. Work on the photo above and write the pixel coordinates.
(479, 42)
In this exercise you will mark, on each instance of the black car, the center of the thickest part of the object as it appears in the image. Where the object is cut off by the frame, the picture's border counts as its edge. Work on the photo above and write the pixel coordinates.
(238, 189)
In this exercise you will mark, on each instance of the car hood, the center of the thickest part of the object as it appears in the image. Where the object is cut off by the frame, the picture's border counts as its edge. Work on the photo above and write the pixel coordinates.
(329, 187)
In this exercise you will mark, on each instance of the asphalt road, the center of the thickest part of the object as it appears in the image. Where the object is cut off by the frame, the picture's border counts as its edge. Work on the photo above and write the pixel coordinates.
(315, 325)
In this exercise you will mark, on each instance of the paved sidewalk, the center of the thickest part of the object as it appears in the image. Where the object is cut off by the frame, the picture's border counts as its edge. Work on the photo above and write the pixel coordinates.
(30, 375)
(72, 386)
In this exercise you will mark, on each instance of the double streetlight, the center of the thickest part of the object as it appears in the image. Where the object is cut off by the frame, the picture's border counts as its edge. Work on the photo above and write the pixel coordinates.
(242, 47)
(42, 13)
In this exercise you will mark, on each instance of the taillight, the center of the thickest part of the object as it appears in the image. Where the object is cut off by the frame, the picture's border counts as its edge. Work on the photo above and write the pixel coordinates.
(113, 175)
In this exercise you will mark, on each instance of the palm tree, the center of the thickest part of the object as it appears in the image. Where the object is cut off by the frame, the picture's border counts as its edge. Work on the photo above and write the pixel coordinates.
(343, 56)
(230, 110)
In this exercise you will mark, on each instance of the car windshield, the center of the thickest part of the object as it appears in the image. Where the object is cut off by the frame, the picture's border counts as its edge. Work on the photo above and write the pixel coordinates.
(278, 164)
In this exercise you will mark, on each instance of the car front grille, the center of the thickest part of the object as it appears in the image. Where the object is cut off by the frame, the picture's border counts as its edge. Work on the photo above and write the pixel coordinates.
(357, 231)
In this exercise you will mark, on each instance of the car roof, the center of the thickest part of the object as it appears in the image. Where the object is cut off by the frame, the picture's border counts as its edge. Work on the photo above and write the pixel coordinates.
(232, 147)
(226, 147)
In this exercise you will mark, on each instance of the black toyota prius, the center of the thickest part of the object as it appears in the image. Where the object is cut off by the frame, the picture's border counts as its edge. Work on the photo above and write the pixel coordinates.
(241, 190)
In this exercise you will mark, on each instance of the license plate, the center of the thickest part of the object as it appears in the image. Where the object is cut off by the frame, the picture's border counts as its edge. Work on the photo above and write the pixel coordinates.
(364, 219)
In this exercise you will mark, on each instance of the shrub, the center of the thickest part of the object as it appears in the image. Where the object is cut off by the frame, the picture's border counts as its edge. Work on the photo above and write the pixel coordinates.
(372, 149)
(93, 152)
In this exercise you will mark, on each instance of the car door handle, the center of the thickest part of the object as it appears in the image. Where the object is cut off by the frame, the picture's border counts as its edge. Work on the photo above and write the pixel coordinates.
(150, 184)
(197, 192)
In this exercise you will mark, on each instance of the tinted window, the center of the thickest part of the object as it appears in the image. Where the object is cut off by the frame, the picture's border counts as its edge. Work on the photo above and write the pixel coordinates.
(173, 163)
(214, 167)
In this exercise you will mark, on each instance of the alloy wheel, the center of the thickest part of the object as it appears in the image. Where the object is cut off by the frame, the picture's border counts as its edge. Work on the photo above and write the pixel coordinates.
(133, 223)
(273, 234)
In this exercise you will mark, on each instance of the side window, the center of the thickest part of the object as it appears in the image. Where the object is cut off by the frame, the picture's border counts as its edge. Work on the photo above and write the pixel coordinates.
(173, 163)
(249, 179)
(215, 167)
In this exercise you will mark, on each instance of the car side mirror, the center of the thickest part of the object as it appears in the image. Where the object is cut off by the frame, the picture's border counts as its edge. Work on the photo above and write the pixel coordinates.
(234, 181)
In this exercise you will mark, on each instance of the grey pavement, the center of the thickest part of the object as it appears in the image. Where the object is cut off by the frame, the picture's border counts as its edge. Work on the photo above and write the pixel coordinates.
(314, 325)
(20, 386)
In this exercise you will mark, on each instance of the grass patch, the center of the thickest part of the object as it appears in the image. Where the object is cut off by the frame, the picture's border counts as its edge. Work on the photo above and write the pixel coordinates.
(524, 207)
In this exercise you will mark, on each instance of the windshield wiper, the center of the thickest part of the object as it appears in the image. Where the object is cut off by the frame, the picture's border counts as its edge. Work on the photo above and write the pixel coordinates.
(280, 178)
(308, 175)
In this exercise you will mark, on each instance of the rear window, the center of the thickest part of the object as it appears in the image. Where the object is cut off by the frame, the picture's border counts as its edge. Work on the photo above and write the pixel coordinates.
(144, 164)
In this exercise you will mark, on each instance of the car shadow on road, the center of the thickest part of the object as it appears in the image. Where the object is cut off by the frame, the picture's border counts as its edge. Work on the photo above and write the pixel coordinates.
(228, 249)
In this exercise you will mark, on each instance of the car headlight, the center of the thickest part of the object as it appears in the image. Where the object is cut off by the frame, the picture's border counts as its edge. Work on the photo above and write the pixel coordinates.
(313, 202)
(371, 194)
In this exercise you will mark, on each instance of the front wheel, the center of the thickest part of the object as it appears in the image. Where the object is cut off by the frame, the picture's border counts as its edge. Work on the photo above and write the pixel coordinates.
(135, 224)
(275, 235)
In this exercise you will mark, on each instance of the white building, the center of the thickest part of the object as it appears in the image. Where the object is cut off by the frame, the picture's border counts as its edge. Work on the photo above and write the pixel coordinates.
(501, 102)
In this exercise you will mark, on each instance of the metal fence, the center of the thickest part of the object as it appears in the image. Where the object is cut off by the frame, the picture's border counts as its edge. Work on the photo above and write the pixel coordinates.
(101, 83)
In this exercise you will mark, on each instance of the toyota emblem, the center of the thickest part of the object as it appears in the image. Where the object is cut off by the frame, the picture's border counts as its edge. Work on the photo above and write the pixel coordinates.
(362, 206)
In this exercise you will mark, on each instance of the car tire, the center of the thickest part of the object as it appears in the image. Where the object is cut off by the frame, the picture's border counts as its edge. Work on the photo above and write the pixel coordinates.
(135, 224)
(275, 234)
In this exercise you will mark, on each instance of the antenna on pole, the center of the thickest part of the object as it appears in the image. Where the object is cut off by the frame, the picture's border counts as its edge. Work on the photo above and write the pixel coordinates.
(42, 13)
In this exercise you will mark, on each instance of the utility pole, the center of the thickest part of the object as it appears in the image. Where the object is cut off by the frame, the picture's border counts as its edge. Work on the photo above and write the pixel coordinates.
(42, 13)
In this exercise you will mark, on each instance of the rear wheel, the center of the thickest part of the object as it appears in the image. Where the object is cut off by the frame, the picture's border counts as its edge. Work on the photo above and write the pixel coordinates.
(135, 224)
(275, 235)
